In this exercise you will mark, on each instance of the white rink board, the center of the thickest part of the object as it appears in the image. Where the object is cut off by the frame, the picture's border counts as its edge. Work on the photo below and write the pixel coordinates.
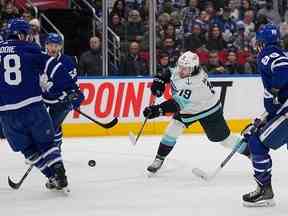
(126, 98)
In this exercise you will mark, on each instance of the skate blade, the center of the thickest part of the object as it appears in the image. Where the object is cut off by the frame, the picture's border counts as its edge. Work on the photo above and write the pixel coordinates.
(150, 174)
(66, 191)
(263, 203)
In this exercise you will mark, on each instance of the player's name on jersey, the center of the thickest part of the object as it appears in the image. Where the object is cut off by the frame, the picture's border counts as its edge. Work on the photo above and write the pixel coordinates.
(7, 49)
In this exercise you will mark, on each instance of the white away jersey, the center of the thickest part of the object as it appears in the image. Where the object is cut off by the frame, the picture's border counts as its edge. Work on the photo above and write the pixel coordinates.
(194, 94)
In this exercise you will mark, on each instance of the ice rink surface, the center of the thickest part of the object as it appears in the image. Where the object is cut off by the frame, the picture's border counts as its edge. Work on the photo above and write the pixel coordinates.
(118, 184)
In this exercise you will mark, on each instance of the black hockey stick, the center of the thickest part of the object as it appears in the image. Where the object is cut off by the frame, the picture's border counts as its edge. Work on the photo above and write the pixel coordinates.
(134, 138)
(205, 176)
(17, 185)
(104, 125)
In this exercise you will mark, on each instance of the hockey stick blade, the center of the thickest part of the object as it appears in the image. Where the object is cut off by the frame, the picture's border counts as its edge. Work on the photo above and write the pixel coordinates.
(201, 174)
(104, 125)
(17, 185)
(132, 138)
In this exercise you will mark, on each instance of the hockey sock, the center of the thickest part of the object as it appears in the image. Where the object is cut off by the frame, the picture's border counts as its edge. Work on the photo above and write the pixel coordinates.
(58, 138)
(163, 151)
(262, 165)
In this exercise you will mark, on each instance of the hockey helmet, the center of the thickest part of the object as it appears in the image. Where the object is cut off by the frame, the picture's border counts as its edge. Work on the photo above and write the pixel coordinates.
(268, 34)
(54, 38)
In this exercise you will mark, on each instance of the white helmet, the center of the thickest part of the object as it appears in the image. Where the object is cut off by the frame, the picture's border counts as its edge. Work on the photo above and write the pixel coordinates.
(188, 62)
(188, 59)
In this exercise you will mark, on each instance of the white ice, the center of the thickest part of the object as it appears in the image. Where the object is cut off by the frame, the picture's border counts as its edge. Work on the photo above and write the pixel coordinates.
(118, 184)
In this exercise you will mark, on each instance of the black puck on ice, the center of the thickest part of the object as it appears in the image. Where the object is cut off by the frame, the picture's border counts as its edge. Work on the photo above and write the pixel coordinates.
(91, 163)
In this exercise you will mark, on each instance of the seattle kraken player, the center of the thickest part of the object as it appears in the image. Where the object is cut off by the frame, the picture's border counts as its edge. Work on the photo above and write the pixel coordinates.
(270, 133)
(193, 99)
(24, 118)
(60, 91)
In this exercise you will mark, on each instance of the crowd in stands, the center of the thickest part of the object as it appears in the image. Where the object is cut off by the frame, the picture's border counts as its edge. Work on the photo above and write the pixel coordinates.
(221, 32)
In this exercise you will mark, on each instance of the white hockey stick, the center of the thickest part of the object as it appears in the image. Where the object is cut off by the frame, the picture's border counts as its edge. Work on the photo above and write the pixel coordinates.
(205, 176)
(133, 139)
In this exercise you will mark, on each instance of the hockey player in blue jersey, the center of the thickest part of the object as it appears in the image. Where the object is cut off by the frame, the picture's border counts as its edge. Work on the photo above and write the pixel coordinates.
(271, 131)
(25, 120)
(60, 90)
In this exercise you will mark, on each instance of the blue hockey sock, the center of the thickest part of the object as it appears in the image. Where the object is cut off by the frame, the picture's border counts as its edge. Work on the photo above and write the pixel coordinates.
(58, 138)
(262, 165)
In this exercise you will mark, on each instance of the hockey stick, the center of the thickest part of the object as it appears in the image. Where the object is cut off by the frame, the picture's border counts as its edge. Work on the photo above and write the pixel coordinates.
(17, 185)
(134, 138)
(104, 125)
(205, 176)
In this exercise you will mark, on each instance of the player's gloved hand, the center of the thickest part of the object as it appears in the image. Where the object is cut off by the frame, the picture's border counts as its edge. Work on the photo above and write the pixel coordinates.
(254, 128)
(158, 87)
(75, 98)
(152, 111)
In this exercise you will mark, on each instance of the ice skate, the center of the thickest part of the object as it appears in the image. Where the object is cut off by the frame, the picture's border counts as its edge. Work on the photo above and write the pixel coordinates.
(261, 197)
(60, 181)
(155, 166)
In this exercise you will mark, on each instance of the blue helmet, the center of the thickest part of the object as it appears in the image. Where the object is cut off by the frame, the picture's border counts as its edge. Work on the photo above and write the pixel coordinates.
(17, 26)
(268, 34)
(54, 38)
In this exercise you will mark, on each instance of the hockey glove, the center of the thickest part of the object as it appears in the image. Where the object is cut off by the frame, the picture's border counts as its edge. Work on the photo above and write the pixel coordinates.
(255, 127)
(75, 98)
(158, 87)
(152, 111)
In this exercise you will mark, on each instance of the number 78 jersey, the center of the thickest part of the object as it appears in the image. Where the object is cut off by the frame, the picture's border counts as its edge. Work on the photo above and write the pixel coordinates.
(194, 94)
(20, 65)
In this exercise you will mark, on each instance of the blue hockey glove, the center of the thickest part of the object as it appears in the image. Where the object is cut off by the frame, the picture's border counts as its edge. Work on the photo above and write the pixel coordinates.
(254, 128)
(75, 98)
(152, 111)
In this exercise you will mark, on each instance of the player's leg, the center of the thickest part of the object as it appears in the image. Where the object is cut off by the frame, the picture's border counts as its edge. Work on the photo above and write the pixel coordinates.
(18, 137)
(2, 136)
(173, 131)
(42, 133)
(58, 113)
(272, 135)
(217, 130)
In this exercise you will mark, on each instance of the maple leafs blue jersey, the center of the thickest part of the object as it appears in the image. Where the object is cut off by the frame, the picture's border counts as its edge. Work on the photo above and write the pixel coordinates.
(20, 65)
(273, 66)
(58, 79)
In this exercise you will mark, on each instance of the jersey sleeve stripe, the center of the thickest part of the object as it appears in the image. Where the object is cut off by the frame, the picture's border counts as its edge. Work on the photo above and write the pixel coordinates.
(281, 61)
(21, 104)
(47, 64)
(55, 69)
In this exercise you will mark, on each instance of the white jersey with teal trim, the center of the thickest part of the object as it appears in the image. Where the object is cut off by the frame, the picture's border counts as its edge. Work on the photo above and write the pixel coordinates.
(194, 94)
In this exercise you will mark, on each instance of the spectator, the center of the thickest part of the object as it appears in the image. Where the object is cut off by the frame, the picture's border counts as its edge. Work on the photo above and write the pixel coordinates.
(250, 64)
(245, 6)
(90, 63)
(169, 47)
(189, 14)
(204, 21)
(231, 65)
(9, 11)
(214, 66)
(133, 64)
(134, 29)
(163, 63)
(271, 11)
(119, 7)
(170, 31)
(248, 24)
(37, 37)
(117, 26)
(195, 39)
(215, 40)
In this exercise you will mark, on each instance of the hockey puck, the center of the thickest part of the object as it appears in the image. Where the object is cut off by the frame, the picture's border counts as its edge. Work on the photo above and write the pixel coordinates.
(91, 163)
